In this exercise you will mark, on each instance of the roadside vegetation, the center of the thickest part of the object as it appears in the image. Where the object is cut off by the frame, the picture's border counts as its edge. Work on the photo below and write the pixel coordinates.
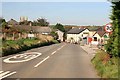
(14, 46)
(107, 62)
(15, 40)
(106, 66)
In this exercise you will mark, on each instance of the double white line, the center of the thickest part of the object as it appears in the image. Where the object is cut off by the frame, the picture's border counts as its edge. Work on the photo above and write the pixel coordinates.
(6, 74)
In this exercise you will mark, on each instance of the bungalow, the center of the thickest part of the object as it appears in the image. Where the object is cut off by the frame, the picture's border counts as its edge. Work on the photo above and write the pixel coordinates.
(75, 35)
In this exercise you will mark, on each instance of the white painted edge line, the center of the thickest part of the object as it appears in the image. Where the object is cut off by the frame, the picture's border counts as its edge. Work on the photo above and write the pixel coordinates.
(41, 61)
(7, 75)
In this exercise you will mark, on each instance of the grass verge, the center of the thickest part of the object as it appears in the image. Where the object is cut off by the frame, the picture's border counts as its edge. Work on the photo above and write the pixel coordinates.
(11, 47)
(106, 66)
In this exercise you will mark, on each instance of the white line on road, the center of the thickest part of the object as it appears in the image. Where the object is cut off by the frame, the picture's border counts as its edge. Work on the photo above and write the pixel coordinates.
(5, 74)
(25, 56)
(41, 61)
(48, 56)
(58, 49)
(1, 72)
(53, 52)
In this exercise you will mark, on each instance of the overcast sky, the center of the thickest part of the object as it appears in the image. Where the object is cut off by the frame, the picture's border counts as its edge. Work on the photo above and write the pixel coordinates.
(74, 13)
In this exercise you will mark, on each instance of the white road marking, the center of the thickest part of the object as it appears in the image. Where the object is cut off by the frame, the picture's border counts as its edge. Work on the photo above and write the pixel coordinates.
(53, 52)
(48, 56)
(1, 72)
(31, 55)
(6, 74)
(58, 49)
(41, 61)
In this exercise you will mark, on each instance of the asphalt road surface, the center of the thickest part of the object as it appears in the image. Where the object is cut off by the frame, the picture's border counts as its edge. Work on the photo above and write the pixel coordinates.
(55, 61)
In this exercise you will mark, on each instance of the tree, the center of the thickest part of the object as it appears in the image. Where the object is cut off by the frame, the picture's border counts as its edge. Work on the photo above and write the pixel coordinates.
(60, 27)
(3, 22)
(54, 34)
(113, 44)
(40, 22)
(25, 23)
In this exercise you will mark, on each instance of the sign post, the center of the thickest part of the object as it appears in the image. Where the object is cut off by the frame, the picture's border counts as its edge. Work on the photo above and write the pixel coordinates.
(108, 28)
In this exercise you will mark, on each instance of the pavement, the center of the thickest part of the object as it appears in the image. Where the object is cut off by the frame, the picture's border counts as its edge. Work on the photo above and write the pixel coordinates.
(62, 60)
(91, 50)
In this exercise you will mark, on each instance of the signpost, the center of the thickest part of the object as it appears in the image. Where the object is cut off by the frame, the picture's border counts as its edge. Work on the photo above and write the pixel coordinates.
(108, 28)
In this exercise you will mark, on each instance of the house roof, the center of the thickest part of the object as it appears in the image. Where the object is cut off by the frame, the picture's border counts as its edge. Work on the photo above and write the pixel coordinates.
(100, 32)
(75, 30)
(38, 29)
(13, 22)
(41, 29)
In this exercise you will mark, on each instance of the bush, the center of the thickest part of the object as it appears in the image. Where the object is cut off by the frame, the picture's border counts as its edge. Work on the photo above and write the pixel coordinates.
(106, 67)
(11, 47)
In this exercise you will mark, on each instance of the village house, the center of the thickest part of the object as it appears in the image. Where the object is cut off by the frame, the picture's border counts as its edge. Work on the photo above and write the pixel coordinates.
(12, 22)
(100, 37)
(75, 35)
(34, 31)
(60, 35)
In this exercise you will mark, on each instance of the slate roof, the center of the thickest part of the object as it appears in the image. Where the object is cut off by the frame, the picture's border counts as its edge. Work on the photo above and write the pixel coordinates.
(75, 31)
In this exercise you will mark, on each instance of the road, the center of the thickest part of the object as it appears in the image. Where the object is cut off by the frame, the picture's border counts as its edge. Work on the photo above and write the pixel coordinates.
(55, 61)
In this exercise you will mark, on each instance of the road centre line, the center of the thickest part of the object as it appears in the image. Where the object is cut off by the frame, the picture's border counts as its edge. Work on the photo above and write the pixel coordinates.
(53, 52)
(57, 50)
(48, 56)
(41, 61)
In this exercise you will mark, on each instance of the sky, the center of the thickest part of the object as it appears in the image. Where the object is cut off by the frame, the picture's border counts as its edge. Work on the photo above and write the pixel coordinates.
(67, 13)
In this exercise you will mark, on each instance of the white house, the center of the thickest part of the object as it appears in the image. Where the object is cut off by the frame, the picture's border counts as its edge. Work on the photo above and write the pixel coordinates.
(75, 35)
(100, 37)
(60, 35)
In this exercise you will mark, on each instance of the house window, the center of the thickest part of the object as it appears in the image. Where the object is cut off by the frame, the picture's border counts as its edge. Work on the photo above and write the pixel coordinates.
(95, 38)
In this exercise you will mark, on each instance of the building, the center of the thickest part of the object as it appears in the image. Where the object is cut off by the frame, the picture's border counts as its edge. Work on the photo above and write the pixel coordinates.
(44, 30)
(75, 35)
(100, 37)
(60, 35)
(23, 18)
(12, 22)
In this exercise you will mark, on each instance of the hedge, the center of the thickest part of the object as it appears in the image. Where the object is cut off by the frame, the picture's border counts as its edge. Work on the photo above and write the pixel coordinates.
(11, 47)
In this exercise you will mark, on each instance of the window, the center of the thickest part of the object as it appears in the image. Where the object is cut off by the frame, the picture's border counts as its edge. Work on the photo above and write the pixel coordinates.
(95, 38)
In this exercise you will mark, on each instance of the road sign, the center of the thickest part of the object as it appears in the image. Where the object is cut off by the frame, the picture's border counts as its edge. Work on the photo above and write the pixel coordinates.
(108, 28)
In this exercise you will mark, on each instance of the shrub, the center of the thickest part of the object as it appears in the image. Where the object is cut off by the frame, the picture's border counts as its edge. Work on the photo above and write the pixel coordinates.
(106, 67)
(11, 47)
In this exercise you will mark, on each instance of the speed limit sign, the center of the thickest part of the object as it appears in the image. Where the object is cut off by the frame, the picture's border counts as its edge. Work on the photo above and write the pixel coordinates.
(108, 28)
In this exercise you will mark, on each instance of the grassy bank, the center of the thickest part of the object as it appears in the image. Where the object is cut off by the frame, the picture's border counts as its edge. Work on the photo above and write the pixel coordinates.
(106, 66)
(11, 47)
